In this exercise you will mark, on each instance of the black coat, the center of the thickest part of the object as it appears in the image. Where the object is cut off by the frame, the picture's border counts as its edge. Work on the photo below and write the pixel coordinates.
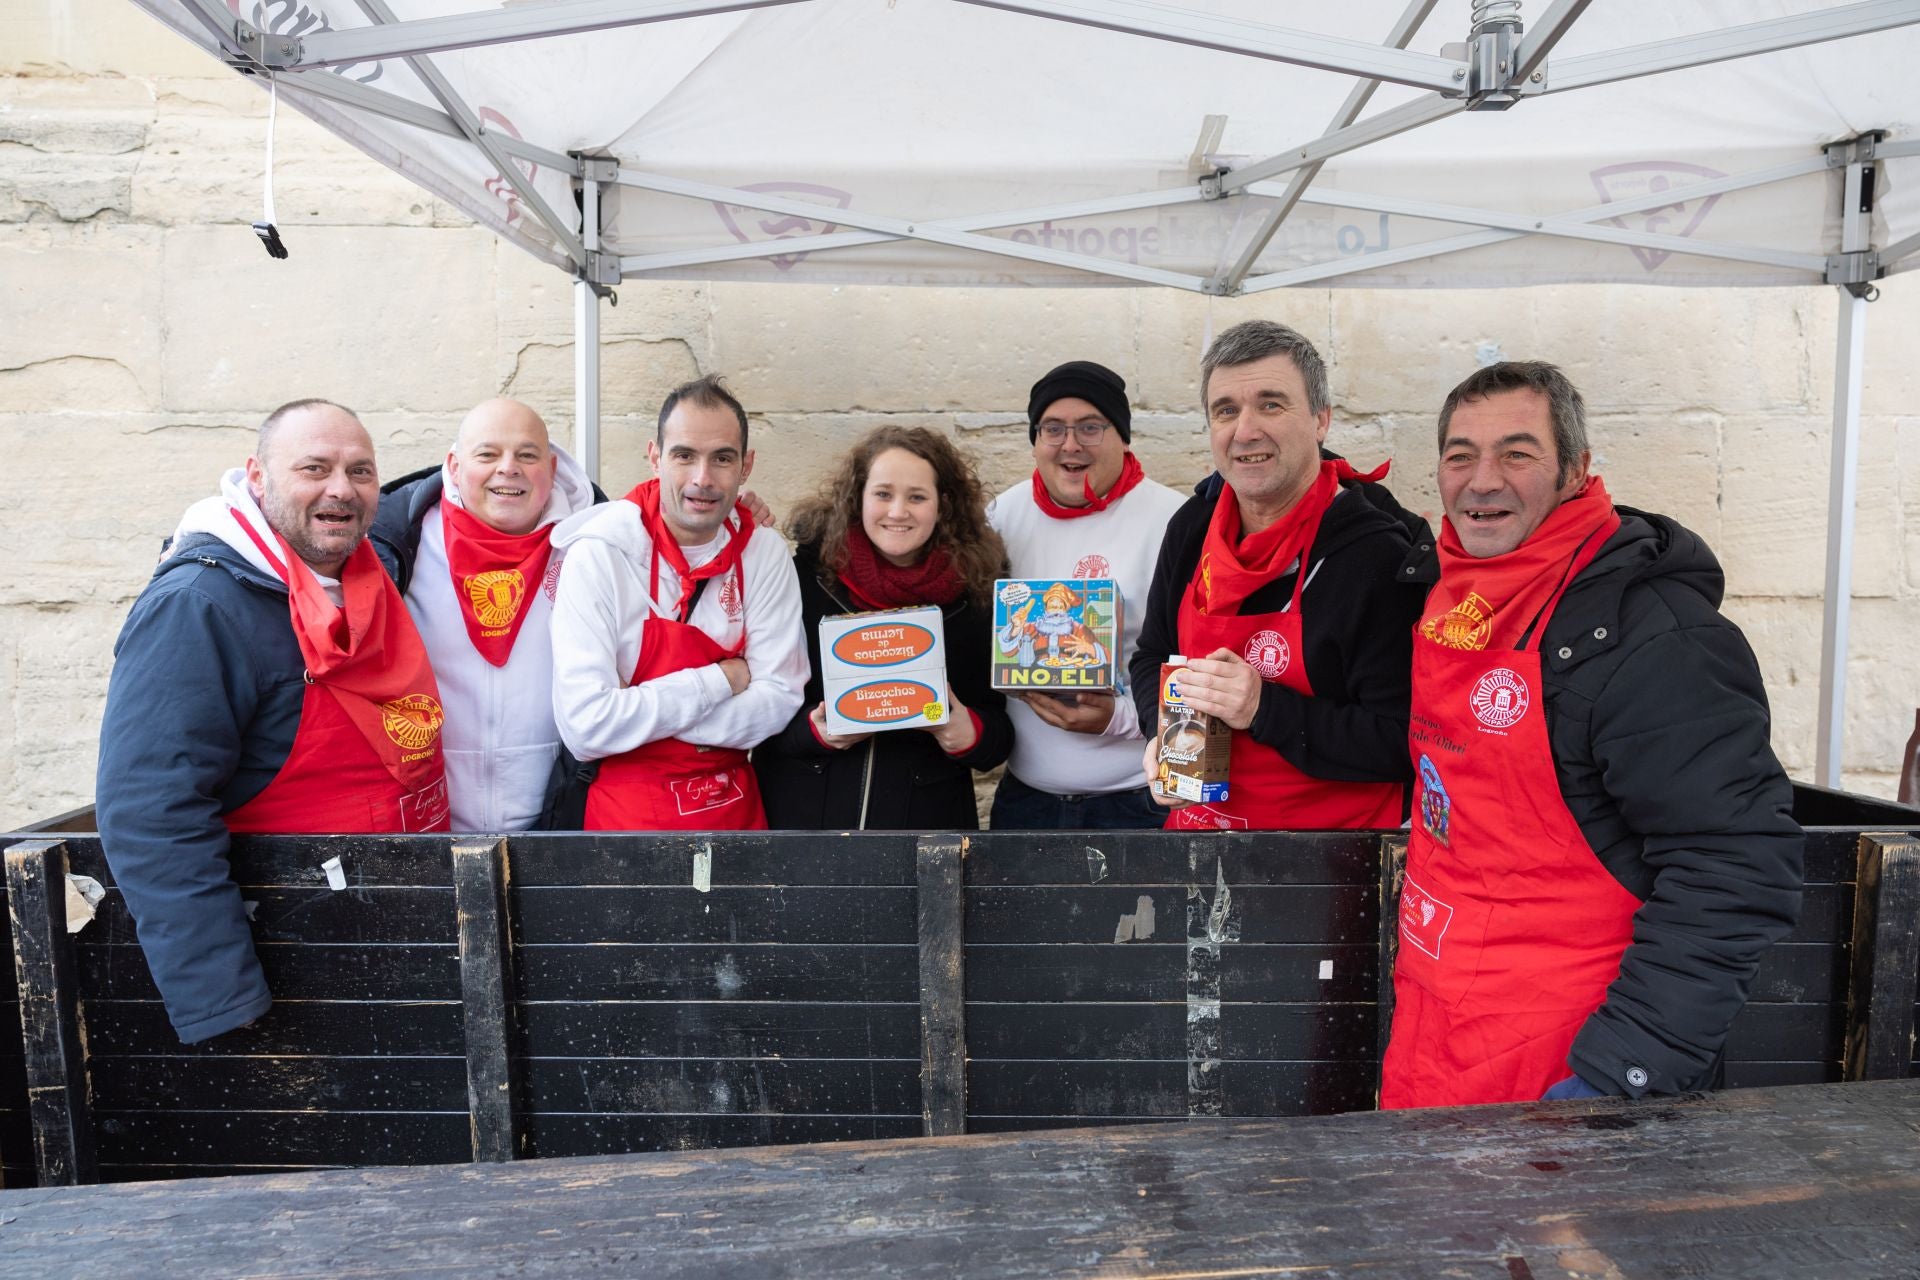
(1660, 732)
(908, 782)
(1356, 615)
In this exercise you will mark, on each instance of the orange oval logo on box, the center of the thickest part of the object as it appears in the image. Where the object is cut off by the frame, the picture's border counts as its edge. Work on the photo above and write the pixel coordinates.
(883, 644)
(886, 701)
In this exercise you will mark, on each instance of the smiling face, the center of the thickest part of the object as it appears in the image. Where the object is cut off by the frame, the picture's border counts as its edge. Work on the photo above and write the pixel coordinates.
(503, 465)
(900, 505)
(317, 484)
(1499, 472)
(1068, 465)
(1266, 441)
(701, 466)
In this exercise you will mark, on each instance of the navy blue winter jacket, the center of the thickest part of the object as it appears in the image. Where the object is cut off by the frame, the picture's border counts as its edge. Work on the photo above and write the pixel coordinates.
(201, 714)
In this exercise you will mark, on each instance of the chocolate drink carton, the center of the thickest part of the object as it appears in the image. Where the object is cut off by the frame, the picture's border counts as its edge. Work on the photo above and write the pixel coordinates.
(884, 670)
(1194, 746)
(1056, 635)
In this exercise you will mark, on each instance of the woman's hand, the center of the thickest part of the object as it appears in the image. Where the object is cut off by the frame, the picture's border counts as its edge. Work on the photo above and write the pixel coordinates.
(838, 741)
(957, 736)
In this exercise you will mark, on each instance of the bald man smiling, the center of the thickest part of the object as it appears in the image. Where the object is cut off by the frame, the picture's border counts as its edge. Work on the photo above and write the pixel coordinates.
(477, 570)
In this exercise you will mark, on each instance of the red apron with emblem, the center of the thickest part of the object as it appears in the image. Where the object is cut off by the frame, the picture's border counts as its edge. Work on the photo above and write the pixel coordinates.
(1511, 930)
(338, 777)
(1264, 791)
(672, 785)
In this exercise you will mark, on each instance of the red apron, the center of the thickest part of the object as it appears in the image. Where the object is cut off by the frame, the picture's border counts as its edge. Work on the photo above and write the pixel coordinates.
(336, 779)
(1511, 930)
(670, 785)
(1264, 791)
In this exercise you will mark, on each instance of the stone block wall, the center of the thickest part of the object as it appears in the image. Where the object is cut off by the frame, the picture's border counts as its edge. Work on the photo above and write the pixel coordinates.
(143, 334)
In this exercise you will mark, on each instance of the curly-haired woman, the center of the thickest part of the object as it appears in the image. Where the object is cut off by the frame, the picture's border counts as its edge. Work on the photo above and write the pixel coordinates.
(900, 522)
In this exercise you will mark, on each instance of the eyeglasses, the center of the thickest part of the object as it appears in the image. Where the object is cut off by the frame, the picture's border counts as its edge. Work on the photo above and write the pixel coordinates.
(1088, 433)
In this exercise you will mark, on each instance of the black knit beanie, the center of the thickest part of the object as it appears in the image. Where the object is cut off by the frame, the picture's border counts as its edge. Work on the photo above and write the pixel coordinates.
(1098, 385)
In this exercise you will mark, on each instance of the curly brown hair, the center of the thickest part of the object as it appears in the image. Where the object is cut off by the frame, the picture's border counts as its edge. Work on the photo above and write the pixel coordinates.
(962, 530)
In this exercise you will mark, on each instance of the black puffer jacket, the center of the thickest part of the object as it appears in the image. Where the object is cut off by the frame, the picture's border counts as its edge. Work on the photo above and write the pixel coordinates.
(1660, 731)
(897, 781)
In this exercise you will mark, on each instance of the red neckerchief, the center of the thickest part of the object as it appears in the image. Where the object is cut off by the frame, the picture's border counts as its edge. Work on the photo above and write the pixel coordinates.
(1232, 568)
(365, 651)
(1131, 474)
(492, 572)
(878, 583)
(1493, 602)
(646, 496)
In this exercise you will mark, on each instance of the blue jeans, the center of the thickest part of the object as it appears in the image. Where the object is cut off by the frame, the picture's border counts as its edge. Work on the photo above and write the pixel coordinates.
(1019, 807)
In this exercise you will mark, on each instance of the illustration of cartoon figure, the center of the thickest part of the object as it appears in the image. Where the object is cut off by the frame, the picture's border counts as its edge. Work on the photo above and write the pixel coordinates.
(1017, 636)
(1059, 625)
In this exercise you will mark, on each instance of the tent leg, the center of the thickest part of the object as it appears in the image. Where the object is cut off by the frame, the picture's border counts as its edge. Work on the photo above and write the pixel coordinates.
(1843, 481)
(586, 343)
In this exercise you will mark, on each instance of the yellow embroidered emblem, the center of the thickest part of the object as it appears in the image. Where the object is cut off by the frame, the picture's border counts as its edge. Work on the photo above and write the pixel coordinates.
(496, 596)
(1468, 625)
(412, 721)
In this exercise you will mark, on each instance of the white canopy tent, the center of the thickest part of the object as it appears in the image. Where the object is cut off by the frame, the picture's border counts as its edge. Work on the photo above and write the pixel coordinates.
(1220, 146)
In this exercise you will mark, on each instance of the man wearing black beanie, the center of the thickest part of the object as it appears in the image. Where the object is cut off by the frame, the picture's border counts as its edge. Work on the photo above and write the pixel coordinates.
(1088, 511)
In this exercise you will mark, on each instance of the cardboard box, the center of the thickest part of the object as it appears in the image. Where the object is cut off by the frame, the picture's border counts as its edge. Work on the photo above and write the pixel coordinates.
(1056, 635)
(884, 670)
(1194, 746)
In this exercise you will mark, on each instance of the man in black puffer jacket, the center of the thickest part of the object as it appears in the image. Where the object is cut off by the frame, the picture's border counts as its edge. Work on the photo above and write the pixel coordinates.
(1602, 843)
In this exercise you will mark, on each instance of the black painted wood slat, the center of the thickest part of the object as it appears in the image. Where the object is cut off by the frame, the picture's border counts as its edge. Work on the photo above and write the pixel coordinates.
(551, 1135)
(54, 1046)
(294, 862)
(737, 858)
(1121, 858)
(161, 1082)
(803, 914)
(1393, 872)
(373, 915)
(1788, 1033)
(486, 978)
(943, 1022)
(1886, 959)
(885, 972)
(294, 970)
(284, 1137)
(351, 1028)
(720, 1029)
(726, 1086)
(1100, 913)
(1294, 1033)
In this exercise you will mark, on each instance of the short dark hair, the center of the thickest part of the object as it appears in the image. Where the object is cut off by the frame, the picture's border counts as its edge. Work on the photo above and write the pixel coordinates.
(709, 392)
(1252, 340)
(1564, 405)
(272, 421)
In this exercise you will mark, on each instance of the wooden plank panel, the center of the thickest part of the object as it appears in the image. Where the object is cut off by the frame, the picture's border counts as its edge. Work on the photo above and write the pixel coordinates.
(1826, 915)
(1114, 1031)
(1029, 1124)
(1052, 972)
(289, 1137)
(486, 978)
(886, 972)
(726, 1086)
(294, 861)
(349, 1028)
(1101, 914)
(582, 1135)
(1298, 1088)
(1801, 973)
(802, 914)
(1299, 1032)
(350, 916)
(1831, 855)
(1768, 1075)
(296, 971)
(1788, 1033)
(564, 859)
(1155, 858)
(1077, 1088)
(183, 1083)
(727, 1029)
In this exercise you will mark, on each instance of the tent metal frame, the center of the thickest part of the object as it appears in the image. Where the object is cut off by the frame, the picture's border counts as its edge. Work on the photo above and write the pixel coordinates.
(1498, 66)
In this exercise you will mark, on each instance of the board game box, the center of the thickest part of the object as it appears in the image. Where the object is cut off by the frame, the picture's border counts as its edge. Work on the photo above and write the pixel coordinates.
(1056, 635)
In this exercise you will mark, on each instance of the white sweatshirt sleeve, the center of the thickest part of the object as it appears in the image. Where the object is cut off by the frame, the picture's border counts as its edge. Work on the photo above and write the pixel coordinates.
(599, 603)
(776, 654)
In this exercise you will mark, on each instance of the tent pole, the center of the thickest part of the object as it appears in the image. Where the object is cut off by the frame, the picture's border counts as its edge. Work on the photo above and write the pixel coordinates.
(586, 341)
(1842, 484)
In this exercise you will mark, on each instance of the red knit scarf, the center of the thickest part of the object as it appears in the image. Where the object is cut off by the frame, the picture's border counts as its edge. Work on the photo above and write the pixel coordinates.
(646, 496)
(878, 583)
(1232, 568)
(1131, 474)
(493, 575)
(1491, 602)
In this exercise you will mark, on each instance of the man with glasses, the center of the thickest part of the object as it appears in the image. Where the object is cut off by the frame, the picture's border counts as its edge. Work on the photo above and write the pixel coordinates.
(1088, 511)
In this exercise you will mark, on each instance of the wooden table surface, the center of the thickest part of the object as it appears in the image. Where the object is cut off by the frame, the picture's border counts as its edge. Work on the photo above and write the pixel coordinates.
(1812, 1181)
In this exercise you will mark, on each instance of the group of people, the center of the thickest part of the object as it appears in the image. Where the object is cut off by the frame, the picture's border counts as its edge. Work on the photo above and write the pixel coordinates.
(1601, 843)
